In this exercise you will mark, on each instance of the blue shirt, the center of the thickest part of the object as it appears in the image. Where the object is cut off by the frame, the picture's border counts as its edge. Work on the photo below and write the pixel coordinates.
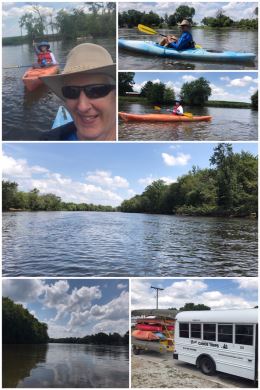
(184, 42)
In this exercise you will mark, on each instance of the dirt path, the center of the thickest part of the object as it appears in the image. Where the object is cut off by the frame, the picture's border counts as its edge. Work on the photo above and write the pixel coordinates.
(160, 370)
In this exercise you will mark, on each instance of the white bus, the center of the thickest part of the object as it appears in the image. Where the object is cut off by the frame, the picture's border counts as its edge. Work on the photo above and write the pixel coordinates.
(219, 340)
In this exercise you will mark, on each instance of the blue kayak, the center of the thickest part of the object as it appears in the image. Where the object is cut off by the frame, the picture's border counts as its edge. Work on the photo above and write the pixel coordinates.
(153, 48)
(62, 118)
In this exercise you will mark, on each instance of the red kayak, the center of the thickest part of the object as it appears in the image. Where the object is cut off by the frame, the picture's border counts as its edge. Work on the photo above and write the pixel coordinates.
(31, 77)
(154, 328)
(144, 335)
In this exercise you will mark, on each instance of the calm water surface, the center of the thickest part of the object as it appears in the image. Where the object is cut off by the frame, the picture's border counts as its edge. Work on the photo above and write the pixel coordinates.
(121, 244)
(27, 114)
(65, 365)
(215, 39)
(233, 124)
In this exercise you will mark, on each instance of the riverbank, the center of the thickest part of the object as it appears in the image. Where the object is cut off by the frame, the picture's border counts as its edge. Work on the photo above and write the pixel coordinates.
(210, 103)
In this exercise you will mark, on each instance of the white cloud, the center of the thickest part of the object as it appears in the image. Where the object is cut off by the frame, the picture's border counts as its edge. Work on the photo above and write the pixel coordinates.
(185, 291)
(247, 283)
(180, 160)
(121, 286)
(225, 78)
(19, 168)
(105, 178)
(242, 82)
(26, 290)
(188, 78)
(146, 181)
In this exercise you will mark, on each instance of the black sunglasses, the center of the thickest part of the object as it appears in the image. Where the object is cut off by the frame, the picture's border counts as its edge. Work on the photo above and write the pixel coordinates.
(92, 91)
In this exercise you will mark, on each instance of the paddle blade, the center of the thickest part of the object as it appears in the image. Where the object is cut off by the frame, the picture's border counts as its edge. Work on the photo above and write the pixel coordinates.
(198, 47)
(188, 114)
(157, 108)
(146, 29)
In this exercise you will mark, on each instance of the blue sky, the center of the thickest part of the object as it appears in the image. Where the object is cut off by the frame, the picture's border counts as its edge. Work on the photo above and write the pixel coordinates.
(231, 86)
(102, 173)
(241, 293)
(235, 10)
(11, 12)
(74, 307)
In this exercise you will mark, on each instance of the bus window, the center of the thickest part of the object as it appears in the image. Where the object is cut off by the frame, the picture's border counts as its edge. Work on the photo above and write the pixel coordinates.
(225, 333)
(184, 330)
(244, 334)
(195, 331)
(209, 332)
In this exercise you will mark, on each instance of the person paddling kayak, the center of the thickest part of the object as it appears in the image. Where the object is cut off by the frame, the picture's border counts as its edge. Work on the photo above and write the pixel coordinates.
(177, 109)
(45, 57)
(184, 42)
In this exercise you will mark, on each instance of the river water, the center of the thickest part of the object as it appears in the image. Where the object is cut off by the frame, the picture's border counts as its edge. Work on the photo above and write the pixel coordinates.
(27, 114)
(227, 124)
(65, 365)
(212, 39)
(121, 244)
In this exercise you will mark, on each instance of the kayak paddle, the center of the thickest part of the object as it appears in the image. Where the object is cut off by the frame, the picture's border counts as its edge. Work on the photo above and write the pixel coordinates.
(24, 66)
(188, 114)
(149, 30)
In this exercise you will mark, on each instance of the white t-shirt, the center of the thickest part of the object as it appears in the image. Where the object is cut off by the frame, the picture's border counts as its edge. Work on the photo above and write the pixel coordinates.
(179, 111)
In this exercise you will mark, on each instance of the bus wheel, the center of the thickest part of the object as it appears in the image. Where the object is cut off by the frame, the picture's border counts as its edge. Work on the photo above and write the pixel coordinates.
(136, 351)
(207, 366)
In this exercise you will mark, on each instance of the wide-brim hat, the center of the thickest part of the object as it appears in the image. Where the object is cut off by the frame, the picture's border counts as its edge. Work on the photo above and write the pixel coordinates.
(185, 22)
(43, 43)
(86, 58)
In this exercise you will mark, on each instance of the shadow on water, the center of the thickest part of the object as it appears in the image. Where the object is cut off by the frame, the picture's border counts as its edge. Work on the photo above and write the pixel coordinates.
(19, 360)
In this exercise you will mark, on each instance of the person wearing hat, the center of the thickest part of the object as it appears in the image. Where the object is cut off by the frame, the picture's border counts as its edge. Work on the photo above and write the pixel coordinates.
(185, 41)
(87, 87)
(44, 55)
(177, 109)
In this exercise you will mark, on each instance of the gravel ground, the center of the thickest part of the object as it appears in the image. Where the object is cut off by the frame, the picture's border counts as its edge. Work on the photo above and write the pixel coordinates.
(154, 370)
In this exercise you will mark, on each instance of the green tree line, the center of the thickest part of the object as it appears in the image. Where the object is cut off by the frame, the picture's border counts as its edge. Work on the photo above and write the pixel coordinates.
(100, 338)
(228, 188)
(100, 20)
(12, 199)
(21, 327)
(132, 18)
(190, 306)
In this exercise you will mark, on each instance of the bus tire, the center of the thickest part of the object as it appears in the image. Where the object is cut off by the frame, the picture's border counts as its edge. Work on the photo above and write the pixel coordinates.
(207, 365)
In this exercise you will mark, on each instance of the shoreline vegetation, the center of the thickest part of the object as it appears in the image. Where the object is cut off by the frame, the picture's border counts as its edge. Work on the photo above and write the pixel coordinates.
(209, 103)
(227, 189)
(193, 93)
(21, 327)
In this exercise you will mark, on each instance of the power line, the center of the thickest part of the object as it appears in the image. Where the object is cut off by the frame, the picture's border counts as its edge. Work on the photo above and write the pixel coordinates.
(157, 293)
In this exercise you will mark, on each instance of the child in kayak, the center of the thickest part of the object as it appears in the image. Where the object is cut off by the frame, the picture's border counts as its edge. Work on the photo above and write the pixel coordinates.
(184, 42)
(44, 55)
(177, 109)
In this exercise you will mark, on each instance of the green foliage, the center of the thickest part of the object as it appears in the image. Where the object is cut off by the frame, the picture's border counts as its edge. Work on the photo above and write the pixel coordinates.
(157, 93)
(100, 338)
(132, 18)
(182, 12)
(21, 327)
(230, 189)
(125, 82)
(254, 101)
(192, 306)
(34, 201)
(196, 92)
(221, 20)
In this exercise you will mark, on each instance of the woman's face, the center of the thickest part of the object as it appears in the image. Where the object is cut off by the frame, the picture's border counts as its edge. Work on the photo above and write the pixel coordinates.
(95, 119)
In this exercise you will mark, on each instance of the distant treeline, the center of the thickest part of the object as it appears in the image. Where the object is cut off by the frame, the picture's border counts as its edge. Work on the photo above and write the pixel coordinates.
(100, 21)
(228, 189)
(12, 200)
(96, 339)
(193, 93)
(21, 327)
(132, 18)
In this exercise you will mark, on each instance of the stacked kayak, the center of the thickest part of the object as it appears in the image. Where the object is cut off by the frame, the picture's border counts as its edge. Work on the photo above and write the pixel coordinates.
(161, 118)
(31, 78)
(145, 335)
(153, 48)
(62, 118)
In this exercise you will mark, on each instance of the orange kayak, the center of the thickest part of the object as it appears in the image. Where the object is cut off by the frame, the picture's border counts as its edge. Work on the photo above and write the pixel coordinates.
(31, 77)
(161, 118)
(144, 335)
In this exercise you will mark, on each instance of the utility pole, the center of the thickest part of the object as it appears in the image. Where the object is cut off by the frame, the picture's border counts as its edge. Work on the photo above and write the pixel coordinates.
(157, 292)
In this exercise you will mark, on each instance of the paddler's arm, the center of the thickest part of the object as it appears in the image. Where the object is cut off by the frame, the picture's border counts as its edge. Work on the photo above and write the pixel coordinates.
(53, 60)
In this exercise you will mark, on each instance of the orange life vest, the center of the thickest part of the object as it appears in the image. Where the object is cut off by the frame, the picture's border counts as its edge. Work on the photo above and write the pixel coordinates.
(44, 56)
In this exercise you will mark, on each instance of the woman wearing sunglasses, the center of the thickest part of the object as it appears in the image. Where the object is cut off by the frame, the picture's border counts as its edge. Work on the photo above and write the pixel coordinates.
(87, 87)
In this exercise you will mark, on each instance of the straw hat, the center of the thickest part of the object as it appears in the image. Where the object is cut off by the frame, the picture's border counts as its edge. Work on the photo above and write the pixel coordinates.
(185, 22)
(85, 58)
